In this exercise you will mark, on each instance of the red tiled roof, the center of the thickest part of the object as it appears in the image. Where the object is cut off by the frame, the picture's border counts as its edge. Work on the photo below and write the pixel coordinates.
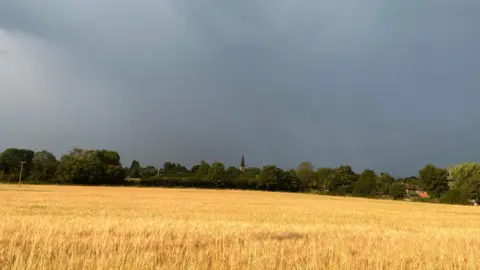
(422, 194)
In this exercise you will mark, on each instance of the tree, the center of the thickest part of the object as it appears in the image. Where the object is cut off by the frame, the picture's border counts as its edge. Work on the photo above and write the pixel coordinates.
(10, 160)
(251, 172)
(44, 165)
(269, 177)
(92, 167)
(134, 170)
(149, 171)
(216, 174)
(413, 180)
(80, 167)
(469, 190)
(434, 180)
(342, 180)
(458, 174)
(195, 168)
(202, 170)
(306, 174)
(398, 190)
(366, 184)
(294, 184)
(335, 183)
(232, 173)
(250, 177)
(472, 186)
(384, 182)
(174, 168)
(323, 176)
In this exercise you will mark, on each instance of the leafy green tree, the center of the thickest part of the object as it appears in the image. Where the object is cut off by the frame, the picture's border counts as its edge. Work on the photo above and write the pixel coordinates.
(434, 180)
(233, 173)
(134, 170)
(216, 174)
(202, 171)
(384, 182)
(323, 176)
(287, 180)
(335, 183)
(10, 161)
(472, 186)
(469, 190)
(195, 168)
(294, 183)
(174, 168)
(92, 167)
(149, 171)
(458, 174)
(251, 172)
(250, 177)
(44, 165)
(80, 168)
(269, 177)
(109, 157)
(412, 180)
(366, 184)
(398, 190)
(342, 180)
(306, 174)
(232, 178)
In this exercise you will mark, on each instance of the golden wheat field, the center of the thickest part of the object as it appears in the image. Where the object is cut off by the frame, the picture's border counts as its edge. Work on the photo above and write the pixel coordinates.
(52, 227)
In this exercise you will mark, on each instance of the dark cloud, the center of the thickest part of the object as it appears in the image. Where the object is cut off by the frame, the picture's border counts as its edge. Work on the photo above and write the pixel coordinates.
(389, 86)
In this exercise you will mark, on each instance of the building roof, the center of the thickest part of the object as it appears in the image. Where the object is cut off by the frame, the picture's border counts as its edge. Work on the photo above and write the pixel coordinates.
(411, 187)
(423, 194)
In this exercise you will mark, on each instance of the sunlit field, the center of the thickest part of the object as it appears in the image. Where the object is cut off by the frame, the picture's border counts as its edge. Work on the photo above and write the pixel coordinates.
(51, 227)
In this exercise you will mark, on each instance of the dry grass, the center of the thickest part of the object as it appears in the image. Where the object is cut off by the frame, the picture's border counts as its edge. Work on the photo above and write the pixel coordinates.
(49, 227)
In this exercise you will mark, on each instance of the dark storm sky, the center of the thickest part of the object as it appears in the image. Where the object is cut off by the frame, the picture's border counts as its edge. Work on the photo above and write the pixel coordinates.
(387, 85)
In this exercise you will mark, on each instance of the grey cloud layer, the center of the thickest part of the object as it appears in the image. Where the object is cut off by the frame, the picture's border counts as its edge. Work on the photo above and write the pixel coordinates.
(388, 85)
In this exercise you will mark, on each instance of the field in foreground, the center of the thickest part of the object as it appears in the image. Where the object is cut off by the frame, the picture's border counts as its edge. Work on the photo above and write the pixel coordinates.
(50, 227)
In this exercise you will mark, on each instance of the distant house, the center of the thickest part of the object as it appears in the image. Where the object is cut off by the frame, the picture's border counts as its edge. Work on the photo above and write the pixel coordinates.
(414, 191)
(411, 187)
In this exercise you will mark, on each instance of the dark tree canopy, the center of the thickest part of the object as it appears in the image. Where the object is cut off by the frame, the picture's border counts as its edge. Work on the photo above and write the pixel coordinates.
(44, 165)
(342, 180)
(306, 174)
(91, 167)
(134, 170)
(434, 180)
(366, 184)
(10, 160)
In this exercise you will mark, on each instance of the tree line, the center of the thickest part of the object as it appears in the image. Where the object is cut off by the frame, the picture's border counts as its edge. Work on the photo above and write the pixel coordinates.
(458, 184)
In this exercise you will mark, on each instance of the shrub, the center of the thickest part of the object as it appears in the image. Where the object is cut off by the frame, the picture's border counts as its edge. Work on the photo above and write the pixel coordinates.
(151, 181)
(341, 191)
(456, 196)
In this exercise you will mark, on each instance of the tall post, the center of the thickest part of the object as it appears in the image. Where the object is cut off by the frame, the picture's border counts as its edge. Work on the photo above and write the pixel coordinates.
(21, 172)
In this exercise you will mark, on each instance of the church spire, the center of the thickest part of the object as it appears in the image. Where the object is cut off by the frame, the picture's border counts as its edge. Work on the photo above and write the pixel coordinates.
(242, 163)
